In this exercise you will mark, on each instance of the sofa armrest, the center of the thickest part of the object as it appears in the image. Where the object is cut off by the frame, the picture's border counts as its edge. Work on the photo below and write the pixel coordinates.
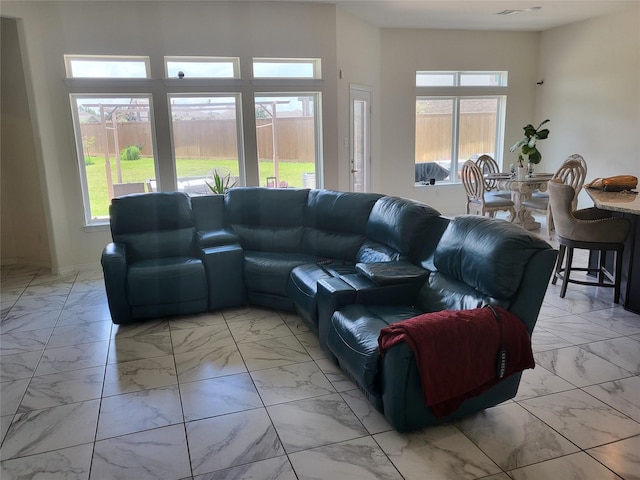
(333, 293)
(403, 397)
(528, 300)
(216, 238)
(114, 267)
(389, 273)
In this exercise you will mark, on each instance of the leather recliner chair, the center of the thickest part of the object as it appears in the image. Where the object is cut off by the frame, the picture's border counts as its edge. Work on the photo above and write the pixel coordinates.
(153, 267)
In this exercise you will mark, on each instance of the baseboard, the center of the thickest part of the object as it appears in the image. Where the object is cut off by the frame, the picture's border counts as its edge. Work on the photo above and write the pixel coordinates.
(24, 262)
(86, 267)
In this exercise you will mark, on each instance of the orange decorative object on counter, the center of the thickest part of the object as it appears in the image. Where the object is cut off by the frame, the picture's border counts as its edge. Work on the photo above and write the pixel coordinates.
(616, 183)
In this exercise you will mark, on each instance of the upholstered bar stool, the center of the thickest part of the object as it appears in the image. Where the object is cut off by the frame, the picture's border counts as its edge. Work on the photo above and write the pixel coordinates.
(589, 229)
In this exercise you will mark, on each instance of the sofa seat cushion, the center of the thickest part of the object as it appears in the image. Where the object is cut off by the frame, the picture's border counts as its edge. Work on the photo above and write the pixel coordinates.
(166, 280)
(268, 272)
(353, 338)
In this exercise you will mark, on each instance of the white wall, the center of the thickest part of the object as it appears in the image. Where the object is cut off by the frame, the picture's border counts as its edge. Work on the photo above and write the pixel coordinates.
(23, 223)
(156, 29)
(359, 59)
(591, 90)
(591, 93)
(404, 51)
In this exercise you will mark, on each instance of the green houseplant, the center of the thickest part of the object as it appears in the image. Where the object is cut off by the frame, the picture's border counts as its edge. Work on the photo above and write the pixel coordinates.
(221, 182)
(528, 145)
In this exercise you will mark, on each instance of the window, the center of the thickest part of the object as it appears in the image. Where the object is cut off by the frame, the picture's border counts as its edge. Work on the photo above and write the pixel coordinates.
(287, 68)
(84, 66)
(289, 139)
(202, 130)
(115, 142)
(205, 134)
(202, 67)
(465, 79)
(459, 116)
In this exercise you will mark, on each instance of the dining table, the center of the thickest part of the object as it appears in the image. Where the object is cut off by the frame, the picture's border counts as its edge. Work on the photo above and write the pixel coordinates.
(521, 190)
(626, 205)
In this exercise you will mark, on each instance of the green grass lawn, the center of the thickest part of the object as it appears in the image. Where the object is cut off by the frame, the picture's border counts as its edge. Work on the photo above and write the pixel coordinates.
(143, 170)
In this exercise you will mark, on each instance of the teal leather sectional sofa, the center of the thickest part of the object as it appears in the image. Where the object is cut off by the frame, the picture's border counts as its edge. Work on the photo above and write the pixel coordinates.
(348, 263)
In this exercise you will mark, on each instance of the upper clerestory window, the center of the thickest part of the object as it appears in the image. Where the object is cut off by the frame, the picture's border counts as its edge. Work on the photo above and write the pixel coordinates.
(461, 79)
(106, 66)
(295, 68)
(202, 67)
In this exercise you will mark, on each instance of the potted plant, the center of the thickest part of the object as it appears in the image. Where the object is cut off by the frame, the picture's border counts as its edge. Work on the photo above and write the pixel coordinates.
(221, 183)
(527, 145)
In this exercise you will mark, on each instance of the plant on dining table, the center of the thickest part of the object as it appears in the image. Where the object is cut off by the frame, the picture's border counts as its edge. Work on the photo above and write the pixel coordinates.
(528, 145)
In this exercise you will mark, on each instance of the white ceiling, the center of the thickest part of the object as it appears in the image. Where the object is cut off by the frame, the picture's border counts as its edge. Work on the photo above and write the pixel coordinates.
(478, 14)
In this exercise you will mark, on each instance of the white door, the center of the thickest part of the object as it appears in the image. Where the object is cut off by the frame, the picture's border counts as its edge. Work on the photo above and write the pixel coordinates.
(360, 138)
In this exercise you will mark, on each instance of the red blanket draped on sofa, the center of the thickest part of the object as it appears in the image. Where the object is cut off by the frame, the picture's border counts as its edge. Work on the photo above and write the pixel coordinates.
(457, 352)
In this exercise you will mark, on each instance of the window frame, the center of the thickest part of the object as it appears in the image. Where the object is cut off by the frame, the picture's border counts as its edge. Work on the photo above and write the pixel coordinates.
(69, 58)
(317, 120)
(239, 127)
(316, 65)
(459, 92)
(73, 97)
(456, 77)
(159, 90)
(235, 61)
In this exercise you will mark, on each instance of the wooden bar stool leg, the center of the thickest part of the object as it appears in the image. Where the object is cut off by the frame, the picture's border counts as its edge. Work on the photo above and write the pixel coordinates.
(618, 276)
(561, 251)
(602, 257)
(567, 271)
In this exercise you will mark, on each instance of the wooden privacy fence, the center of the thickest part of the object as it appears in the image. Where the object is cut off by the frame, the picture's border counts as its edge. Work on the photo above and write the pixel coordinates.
(213, 138)
(433, 136)
(217, 138)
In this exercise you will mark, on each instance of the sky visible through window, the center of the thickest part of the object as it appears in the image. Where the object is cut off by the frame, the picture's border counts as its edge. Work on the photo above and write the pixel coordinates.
(283, 69)
(108, 69)
(205, 69)
(464, 79)
(116, 67)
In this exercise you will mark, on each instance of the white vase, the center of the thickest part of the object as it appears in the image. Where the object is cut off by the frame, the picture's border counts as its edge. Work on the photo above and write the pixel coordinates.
(522, 173)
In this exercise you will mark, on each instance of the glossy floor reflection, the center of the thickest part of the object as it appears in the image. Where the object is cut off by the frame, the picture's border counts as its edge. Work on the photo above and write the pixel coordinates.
(247, 393)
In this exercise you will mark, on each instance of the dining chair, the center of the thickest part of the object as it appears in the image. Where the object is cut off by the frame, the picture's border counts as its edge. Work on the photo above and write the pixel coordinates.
(572, 172)
(488, 165)
(577, 157)
(589, 229)
(478, 202)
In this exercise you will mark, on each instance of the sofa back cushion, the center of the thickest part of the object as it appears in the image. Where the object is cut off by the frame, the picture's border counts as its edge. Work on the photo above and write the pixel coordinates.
(336, 223)
(153, 225)
(477, 260)
(208, 212)
(371, 251)
(399, 222)
(267, 219)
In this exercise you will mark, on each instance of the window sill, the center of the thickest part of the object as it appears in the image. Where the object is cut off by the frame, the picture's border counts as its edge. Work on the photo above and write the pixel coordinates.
(437, 184)
(97, 227)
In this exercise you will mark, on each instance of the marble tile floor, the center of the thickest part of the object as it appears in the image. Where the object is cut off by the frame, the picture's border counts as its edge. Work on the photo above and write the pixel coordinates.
(247, 394)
